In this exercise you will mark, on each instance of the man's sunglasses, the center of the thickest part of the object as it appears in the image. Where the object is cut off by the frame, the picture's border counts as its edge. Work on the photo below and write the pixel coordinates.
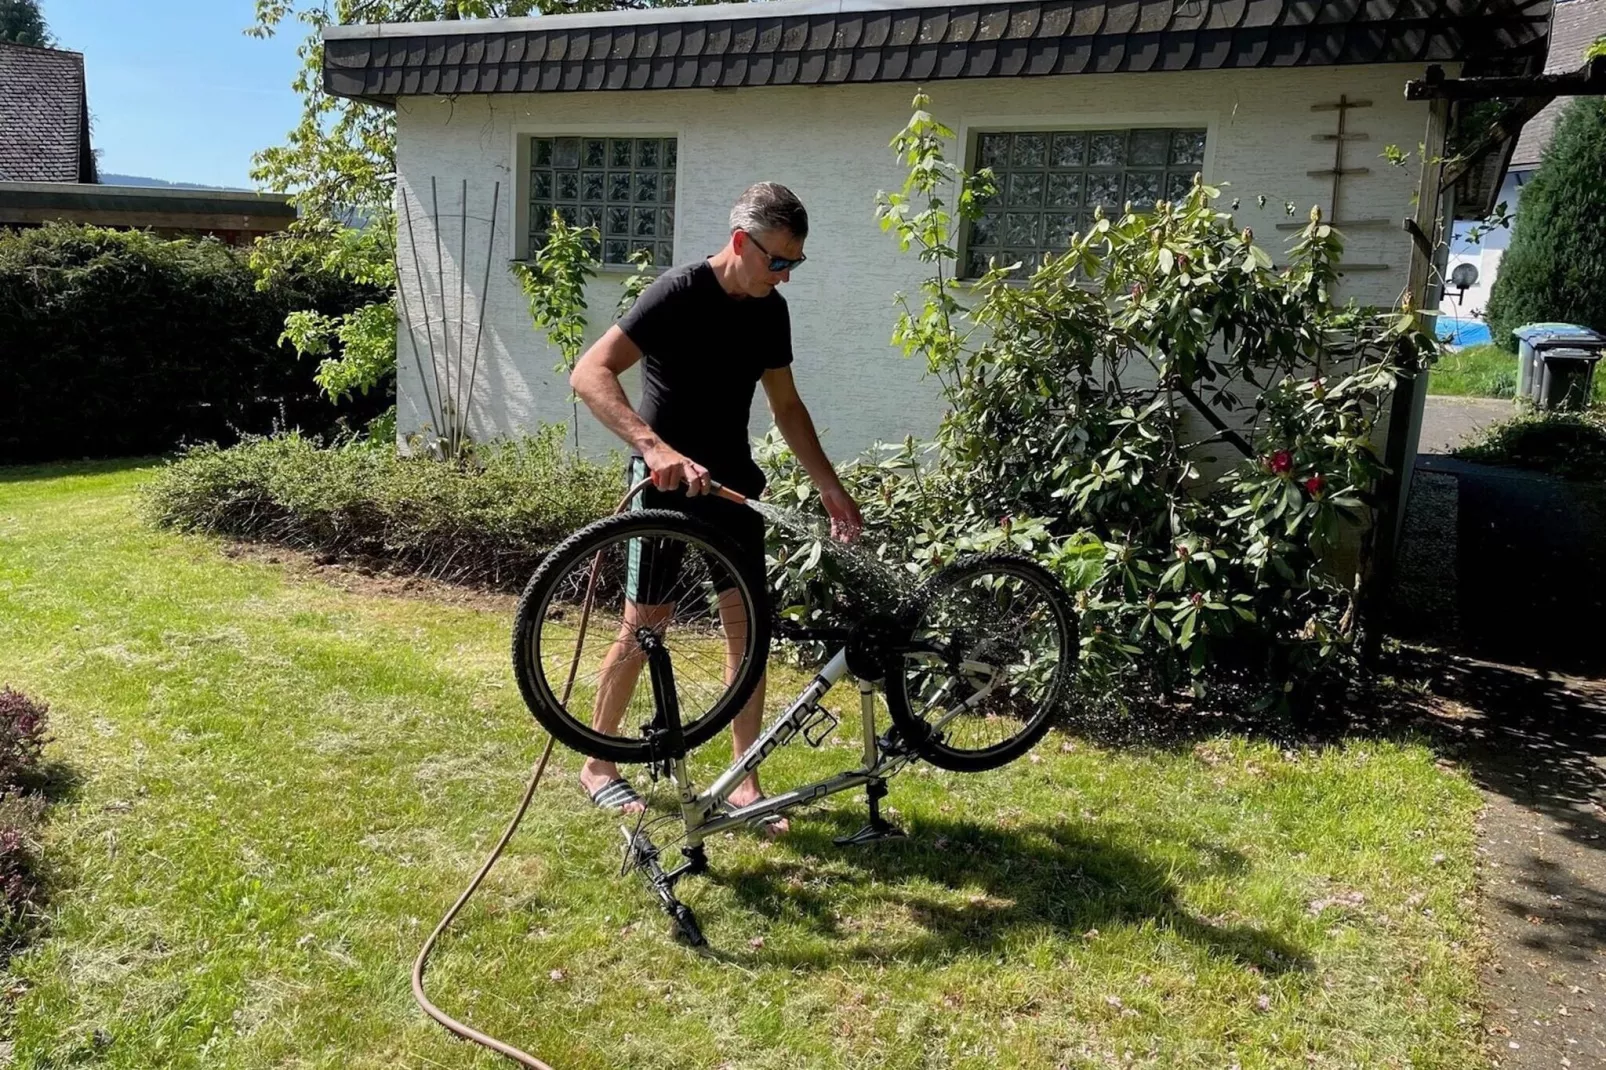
(778, 264)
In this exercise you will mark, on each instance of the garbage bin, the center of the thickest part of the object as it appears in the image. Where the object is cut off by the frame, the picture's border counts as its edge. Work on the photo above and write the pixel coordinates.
(1566, 375)
(1556, 363)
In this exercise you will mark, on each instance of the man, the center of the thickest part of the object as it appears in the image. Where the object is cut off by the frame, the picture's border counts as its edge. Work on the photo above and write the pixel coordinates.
(709, 332)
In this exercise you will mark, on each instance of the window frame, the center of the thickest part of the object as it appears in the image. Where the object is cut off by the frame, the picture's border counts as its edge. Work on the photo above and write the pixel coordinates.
(524, 135)
(971, 127)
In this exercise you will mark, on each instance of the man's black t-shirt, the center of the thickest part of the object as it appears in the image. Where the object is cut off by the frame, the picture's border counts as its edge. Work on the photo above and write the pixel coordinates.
(704, 352)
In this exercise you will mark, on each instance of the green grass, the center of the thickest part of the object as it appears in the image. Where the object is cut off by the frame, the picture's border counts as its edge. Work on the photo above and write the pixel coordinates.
(281, 785)
(1482, 371)
(1486, 371)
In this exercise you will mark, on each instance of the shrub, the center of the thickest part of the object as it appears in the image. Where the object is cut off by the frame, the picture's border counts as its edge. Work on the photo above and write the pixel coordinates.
(119, 343)
(1567, 444)
(23, 724)
(22, 739)
(1082, 395)
(1555, 270)
(488, 521)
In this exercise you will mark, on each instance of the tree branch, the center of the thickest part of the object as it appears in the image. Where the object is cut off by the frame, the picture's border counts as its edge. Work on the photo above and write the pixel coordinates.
(1225, 432)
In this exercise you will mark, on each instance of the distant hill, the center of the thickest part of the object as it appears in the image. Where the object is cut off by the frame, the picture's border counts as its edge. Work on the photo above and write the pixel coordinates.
(139, 180)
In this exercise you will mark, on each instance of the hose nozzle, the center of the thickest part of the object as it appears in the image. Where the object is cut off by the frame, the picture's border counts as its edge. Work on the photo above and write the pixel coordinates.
(725, 492)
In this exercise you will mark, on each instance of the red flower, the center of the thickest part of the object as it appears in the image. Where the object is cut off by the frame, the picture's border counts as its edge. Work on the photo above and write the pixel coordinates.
(1137, 291)
(1314, 485)
(1281, 462)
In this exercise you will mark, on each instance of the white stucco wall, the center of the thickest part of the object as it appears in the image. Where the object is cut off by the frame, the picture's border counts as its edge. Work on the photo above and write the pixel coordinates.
(1484, 253)
(830, 145)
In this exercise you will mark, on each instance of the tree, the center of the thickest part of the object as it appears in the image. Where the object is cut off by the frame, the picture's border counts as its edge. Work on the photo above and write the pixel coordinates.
(1555, 269)
(21, 22)
(338, 167)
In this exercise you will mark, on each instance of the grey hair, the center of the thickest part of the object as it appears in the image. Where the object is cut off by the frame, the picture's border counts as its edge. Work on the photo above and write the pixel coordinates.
(767, 206)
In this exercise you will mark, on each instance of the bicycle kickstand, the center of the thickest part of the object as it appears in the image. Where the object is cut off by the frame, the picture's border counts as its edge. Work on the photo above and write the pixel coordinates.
(879, 828)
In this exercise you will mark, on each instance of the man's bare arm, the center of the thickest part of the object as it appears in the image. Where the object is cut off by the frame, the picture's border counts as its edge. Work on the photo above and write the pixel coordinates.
(596, 380)
(797, 427)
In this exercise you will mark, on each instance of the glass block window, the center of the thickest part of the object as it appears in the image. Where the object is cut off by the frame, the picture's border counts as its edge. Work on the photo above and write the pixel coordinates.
(1050, 181)
(623, 186)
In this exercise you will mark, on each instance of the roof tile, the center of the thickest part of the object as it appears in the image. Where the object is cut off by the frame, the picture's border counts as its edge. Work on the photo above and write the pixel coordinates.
(1012, 56)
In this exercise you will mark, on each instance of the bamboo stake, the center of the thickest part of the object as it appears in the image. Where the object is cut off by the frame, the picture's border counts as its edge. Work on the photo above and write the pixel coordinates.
(407, 321)
(429, 331)
(446, 336)
(485, 285)
(462, 276)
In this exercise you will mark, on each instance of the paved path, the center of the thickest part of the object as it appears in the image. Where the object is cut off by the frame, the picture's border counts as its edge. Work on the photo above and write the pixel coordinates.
(1508, 568)
(1447, 421)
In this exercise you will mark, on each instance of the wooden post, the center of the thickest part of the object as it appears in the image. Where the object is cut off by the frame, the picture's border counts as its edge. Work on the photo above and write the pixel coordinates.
(1405, 412)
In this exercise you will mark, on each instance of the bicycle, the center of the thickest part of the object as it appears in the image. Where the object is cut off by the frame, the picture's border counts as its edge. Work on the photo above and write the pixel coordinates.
(973, 664)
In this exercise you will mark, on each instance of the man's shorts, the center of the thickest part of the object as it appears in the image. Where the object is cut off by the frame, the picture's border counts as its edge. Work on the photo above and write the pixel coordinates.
(655, 567)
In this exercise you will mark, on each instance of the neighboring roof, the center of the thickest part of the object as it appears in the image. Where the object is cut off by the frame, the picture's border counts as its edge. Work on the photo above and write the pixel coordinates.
(143, 206)
(803, 42)
(44, 116)
(1578, 23)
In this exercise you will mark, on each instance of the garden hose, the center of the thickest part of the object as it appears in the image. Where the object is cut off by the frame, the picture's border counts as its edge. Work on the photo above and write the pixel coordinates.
(451, 1024)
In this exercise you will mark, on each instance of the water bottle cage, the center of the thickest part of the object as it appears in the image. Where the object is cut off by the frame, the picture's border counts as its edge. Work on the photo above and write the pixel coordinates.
(813, 732)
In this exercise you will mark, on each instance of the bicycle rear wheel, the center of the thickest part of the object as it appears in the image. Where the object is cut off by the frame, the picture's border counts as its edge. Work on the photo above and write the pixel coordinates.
(611, 591)
(994, 646)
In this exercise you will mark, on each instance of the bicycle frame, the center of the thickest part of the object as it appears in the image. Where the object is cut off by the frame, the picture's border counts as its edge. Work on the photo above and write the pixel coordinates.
(702, 811)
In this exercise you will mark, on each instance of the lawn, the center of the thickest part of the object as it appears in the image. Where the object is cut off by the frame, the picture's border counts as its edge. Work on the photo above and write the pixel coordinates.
(278, 785)
(1485, 371)
(1481, 371)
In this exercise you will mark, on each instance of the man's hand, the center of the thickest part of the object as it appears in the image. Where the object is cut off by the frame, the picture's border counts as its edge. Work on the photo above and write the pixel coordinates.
(846, 523)
(671, 469)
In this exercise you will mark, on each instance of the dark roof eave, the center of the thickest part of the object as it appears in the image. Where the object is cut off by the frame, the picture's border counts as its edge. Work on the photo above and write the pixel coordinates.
(814, 42)
(74, 196)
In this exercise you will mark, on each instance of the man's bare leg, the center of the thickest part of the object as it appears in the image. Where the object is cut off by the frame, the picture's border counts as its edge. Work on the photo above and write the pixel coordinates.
(616, 683)
(745, 728)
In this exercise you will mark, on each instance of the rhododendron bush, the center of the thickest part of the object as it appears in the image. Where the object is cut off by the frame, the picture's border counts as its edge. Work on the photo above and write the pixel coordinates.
(1185, 431)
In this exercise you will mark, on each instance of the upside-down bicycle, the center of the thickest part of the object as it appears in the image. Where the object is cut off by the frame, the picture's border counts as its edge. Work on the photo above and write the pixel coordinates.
(973, 663)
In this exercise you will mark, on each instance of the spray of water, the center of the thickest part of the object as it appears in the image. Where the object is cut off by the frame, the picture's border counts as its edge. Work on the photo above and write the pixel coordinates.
(883, 584)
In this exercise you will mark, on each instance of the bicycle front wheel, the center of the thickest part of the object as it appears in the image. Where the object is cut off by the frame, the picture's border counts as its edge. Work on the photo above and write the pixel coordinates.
(604, 599)
(990, 655)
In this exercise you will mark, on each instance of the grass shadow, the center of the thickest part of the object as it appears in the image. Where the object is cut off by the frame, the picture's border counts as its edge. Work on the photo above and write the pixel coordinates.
(1032, 876)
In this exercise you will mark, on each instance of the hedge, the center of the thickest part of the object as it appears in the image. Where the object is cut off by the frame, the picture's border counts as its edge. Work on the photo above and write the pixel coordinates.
(118, 343)
(488, 522)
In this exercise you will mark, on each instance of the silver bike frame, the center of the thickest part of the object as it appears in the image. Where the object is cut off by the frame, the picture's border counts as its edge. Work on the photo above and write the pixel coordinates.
(703, 812)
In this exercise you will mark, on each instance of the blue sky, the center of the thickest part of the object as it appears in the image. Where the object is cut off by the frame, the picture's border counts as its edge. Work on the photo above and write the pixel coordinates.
(176, 89)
